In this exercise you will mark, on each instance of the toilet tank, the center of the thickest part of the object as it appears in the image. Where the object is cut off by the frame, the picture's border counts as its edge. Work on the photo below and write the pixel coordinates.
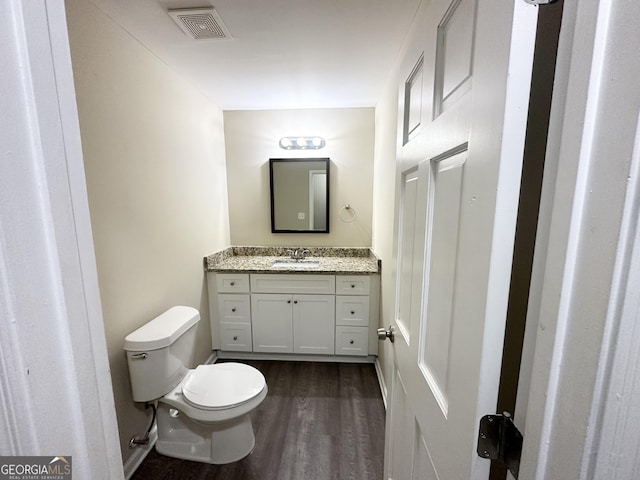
(160, 352)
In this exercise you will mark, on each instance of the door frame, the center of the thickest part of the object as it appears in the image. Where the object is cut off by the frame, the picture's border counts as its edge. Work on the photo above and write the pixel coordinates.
(312, 196)
(54, 369)
(583, 293)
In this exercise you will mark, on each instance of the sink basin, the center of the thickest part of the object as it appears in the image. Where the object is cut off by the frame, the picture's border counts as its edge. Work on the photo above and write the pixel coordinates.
(294, 264)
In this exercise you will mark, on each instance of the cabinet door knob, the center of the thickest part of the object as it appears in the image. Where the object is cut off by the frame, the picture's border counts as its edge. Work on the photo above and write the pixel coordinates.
(232, 283)
(288, 301)
(233, 309)
(351, 342)
(352, 312)
(235, 337)
(295, 301)
(353, 286)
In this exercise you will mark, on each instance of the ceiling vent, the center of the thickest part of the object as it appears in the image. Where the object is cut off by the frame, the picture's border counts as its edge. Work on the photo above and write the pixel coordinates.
(200, 23)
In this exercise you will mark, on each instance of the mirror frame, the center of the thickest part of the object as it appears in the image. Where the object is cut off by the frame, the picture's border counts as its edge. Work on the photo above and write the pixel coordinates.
(273, 161)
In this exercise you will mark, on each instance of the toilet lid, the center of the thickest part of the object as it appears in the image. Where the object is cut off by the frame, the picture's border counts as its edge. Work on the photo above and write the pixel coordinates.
(222, 385)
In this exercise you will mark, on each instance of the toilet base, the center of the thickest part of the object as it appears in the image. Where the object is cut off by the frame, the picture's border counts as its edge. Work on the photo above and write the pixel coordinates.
(217, 443)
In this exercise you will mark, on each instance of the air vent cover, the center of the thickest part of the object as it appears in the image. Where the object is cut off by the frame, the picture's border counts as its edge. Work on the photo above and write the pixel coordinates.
(200, 23)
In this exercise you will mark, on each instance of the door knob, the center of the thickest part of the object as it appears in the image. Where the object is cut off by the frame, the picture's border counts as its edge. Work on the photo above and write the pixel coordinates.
(383, 334)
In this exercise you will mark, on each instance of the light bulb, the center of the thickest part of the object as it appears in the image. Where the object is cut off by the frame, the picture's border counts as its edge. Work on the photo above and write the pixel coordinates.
(285, 142)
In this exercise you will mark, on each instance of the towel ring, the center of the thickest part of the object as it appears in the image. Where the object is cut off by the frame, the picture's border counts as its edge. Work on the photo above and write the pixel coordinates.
(347, 214)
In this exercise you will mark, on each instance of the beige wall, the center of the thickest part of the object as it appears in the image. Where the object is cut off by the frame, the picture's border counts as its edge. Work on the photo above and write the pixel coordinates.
(154, 156)
(384, 186)
(252, 138)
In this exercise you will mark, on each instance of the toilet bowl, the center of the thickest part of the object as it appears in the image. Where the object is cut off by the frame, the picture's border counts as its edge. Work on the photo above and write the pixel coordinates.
(216, 401)
(203, 413)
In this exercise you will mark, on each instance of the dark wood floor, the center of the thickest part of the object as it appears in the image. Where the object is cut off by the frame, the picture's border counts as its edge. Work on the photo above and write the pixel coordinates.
(320, 421)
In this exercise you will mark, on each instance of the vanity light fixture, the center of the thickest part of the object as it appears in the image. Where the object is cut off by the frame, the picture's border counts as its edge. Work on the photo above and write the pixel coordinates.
(302, 143)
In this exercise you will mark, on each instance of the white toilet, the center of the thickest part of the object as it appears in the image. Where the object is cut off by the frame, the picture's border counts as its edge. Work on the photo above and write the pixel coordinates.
(203, 413)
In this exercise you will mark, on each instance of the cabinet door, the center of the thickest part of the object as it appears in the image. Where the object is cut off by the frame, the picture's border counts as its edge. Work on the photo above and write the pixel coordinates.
(272, 323)
(314, 324)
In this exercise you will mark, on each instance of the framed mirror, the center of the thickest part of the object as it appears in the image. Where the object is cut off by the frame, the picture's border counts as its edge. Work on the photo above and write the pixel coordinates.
(299, 195)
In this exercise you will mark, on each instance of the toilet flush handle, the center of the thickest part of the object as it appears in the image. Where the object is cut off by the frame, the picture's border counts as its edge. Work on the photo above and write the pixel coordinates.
(139, 356)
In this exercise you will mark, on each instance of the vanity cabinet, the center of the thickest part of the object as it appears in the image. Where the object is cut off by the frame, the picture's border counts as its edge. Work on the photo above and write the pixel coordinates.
(290, 313)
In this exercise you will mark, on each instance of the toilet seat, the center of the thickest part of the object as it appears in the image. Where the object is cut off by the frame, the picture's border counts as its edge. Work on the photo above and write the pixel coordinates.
(222, 386)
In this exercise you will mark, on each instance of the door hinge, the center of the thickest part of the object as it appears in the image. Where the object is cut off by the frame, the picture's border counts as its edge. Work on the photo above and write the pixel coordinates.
(499, 439)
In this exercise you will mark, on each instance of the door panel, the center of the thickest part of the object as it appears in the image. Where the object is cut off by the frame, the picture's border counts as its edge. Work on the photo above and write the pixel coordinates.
(443, 216)
(423, 468)
(454, 54)
(401, 445)
(458, 184)
(408, 206)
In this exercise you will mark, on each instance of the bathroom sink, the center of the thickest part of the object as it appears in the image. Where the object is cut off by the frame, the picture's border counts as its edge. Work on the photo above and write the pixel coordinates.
(294, 264)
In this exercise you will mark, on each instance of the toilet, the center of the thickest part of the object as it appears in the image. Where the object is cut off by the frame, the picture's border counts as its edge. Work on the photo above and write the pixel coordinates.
(202, 413)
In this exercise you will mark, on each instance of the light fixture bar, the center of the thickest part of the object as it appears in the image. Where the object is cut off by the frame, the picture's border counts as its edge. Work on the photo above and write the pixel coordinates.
(302, 143)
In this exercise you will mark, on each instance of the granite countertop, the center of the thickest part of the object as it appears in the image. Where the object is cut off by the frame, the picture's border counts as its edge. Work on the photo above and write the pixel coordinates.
(262, 259)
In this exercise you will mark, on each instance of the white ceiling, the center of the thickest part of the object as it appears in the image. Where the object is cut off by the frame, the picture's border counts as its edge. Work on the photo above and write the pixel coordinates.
(282, 54)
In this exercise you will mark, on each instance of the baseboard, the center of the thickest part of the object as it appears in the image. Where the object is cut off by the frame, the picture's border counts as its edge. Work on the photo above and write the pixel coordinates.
(227, 355)
(139, 454)
(213, 358)
(383, 385)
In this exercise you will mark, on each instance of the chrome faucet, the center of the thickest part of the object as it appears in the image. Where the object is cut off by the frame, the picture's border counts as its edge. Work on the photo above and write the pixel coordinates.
(298, 253)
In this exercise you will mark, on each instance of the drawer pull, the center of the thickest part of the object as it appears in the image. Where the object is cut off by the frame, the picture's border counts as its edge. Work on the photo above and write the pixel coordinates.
(352, 312)
(235, 337)
(232, 283)
(288, 301)
(233, 309)
(295, 301)
(353, 286)
(351, 342)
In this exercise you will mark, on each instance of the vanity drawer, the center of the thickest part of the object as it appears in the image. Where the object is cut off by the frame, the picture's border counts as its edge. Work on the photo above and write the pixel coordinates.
(232, 282)
(352, 340)
(234, 308)
(352, 311)
(292, 283)
(352, 284)
(235, 336)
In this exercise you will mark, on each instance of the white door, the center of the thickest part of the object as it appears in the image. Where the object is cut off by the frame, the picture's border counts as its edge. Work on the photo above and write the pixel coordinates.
(463, 95)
